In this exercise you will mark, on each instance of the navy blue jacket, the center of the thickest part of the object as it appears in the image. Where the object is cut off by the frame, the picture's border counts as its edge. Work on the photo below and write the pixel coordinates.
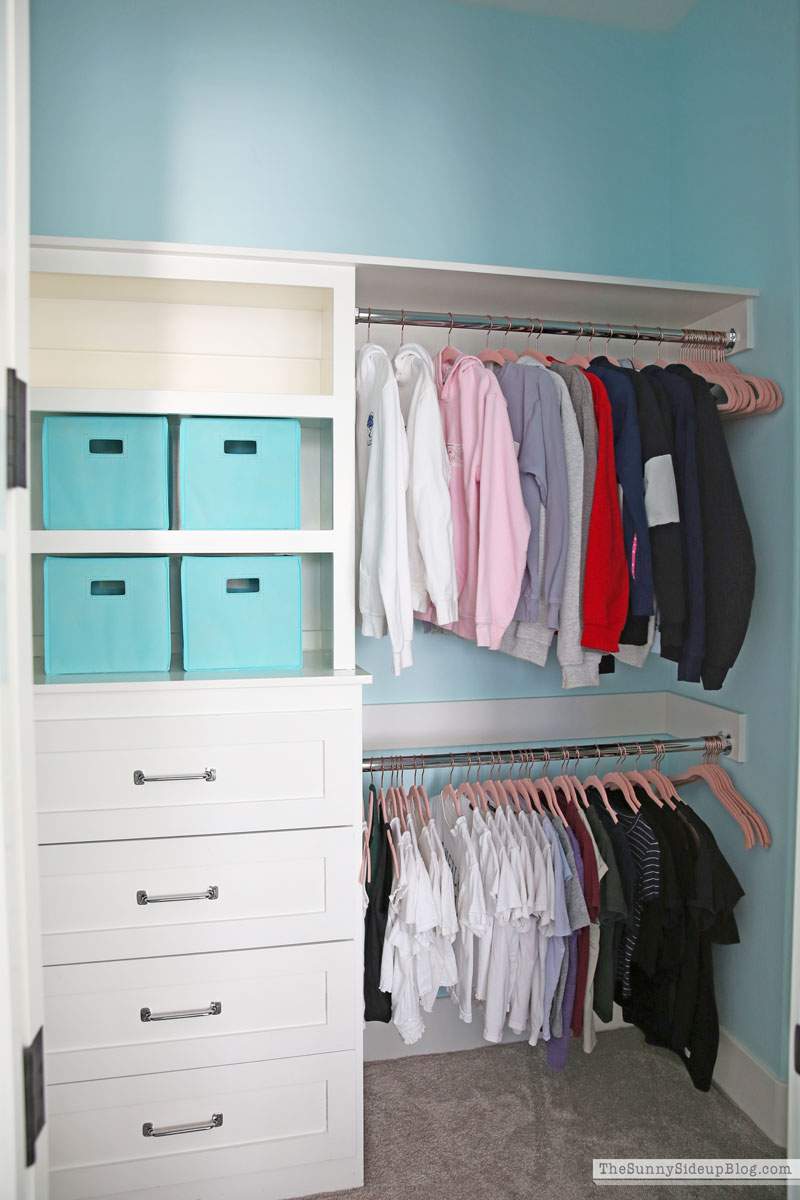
(688, 653)
(630, 476)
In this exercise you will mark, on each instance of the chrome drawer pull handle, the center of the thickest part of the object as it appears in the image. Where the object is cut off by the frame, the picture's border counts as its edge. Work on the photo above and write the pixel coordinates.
(140, 779)
(149, 1130)
(211, 893)
(213, 1010)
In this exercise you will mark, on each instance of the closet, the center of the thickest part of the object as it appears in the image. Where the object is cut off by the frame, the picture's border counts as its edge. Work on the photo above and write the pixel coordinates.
(200, 834)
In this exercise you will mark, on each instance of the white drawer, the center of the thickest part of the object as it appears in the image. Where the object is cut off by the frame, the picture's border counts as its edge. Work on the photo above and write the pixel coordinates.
(275, 1116)
(284, 770)
(291, 1000)
(254, 890)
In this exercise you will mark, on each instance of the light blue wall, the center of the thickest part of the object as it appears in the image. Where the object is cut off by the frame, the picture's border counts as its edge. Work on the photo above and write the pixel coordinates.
(423, 129)
(736, 218)
(448, 131)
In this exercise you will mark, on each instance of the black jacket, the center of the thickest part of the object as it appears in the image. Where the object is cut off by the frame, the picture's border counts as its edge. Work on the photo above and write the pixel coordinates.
(687, 650)
(729, 561)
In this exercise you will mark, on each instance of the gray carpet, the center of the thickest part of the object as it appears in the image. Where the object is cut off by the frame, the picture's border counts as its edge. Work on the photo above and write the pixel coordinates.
(495, 1124)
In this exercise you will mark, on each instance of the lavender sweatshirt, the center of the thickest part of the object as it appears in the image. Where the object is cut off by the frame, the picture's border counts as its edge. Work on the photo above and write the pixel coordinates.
(535, 416)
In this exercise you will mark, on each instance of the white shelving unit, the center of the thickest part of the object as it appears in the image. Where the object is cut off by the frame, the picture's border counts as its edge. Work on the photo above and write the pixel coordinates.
(269, 848)
(177, 334)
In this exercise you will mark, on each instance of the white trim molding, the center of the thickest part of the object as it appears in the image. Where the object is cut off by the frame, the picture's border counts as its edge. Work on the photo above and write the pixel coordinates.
(752, 1087)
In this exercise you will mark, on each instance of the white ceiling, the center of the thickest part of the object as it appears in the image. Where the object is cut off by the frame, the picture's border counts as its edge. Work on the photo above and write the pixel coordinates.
(658, 16)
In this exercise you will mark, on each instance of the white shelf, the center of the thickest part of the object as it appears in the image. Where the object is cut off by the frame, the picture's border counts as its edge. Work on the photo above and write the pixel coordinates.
(443, 286)
(182, 541)
(145, 401)
(316, 669)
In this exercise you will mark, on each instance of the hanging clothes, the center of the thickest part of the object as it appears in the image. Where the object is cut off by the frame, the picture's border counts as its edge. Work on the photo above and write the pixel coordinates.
(384, 593)
(429, 514)
(490, 524)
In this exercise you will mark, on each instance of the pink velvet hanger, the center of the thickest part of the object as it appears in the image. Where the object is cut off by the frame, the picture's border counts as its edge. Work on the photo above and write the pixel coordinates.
(751, 823)
(638, 364)
(366, 861)
(660, 362)
(613, 361)
(489, 786)
(450, 354)
(466, 788)
(509, 785)
(617, 779)
(391, 847)
(529, 789)
(550, 791)
(520, 784)
(449, 790)
(564, 782)
(575, 359)
(637, 777)
(421, 788)
(487, 355)
(505, 353)
(661, 782)
(596, 782)
(576, 782)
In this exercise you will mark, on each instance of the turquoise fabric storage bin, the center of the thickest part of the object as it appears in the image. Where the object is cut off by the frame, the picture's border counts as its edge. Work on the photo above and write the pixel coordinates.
(239, 473)
(243, 613)
(106, 615)
(105, 472)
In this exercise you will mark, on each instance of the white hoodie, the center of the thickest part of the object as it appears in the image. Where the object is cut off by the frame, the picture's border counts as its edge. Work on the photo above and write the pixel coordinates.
(431, 554)
(384, 593)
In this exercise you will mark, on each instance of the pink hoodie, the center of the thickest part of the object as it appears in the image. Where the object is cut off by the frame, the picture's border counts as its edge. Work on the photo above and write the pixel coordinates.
(491, 526)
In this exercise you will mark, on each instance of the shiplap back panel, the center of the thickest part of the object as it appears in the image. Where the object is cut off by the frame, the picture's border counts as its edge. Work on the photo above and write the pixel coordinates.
(92, 331)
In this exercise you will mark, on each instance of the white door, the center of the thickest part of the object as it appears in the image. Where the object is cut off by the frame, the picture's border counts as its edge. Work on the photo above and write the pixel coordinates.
(20, 955)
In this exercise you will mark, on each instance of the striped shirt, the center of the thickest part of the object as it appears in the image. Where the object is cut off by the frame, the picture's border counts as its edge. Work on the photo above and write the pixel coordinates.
(646, 857)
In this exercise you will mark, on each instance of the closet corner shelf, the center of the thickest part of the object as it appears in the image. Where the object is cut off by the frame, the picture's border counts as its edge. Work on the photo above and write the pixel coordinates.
(182, 541)
(316, 669)
(144, 401)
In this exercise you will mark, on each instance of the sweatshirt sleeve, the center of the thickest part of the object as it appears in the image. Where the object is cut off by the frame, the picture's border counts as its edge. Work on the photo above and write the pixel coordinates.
(504, 525)
(384, 576)
(605, 591)
(663, 516)
(430, 504)
(579, 666)
(533, 480)
(556, 501)
(730, 568)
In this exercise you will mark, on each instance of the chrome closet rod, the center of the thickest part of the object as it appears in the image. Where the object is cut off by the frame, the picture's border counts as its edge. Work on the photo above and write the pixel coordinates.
(554, 754)
(699, 338)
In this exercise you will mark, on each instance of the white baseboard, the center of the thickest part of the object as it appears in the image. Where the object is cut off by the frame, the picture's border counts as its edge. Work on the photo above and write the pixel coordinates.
(445, 1032)
(753, 1088)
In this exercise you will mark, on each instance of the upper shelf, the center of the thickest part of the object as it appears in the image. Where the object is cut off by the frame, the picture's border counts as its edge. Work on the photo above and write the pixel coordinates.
(398, 283)
(464, 287)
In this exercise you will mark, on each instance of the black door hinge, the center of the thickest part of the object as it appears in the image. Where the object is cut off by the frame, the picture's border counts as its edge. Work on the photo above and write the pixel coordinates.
(33, 1066)
(16, 430)
(797, 1049)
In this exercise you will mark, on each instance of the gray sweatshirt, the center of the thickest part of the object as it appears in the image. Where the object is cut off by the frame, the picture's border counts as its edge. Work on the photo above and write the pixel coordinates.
(580, 394)
(531, 641)
(534, 412)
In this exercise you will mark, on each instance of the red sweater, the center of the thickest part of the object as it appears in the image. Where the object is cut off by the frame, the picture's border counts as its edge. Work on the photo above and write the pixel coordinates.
(605, 588)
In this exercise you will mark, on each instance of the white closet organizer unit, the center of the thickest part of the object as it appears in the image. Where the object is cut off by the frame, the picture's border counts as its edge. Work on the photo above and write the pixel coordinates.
(200, 833)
